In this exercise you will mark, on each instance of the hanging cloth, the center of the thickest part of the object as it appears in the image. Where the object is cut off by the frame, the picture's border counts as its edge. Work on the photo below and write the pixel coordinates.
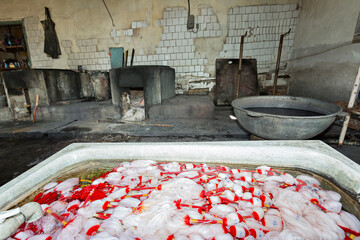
(51, 44)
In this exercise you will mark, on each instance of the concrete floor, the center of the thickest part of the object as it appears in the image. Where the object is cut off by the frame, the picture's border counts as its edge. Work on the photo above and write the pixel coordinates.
(24, 144)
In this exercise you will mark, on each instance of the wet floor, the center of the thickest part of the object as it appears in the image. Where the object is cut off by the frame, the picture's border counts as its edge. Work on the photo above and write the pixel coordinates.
(20, 154)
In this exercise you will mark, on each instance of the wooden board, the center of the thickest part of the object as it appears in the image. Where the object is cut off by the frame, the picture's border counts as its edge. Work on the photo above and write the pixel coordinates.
(226, 79)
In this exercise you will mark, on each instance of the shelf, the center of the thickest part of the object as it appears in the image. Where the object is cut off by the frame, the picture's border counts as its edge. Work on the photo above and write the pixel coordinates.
(9, 69)
(17, 46)
(12, 48)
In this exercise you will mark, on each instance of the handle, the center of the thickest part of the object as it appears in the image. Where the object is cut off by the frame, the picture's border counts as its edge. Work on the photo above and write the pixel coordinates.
(254, 114)
(342, 114)
(47, 13)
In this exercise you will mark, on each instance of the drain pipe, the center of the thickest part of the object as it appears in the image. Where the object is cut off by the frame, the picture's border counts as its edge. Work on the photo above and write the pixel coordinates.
(11, 220)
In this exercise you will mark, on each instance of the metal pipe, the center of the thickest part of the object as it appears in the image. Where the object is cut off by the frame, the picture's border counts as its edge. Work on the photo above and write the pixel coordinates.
(240, 64)
(278, 60)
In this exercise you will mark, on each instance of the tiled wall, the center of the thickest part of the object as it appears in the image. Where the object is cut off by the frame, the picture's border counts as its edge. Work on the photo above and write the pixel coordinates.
(88, 57)
(263, 24)
(177, 48)
(35, 41)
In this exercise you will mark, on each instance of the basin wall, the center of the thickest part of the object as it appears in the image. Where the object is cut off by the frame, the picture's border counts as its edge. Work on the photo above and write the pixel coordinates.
(313, 156)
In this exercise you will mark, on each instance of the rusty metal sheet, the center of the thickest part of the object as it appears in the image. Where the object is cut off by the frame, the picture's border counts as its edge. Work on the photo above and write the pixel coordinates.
(226, 79)
(354, 124)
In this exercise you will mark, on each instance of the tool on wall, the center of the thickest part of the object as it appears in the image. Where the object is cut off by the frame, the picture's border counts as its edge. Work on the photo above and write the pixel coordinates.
(132, 57)
(27, 100)
(351, 103)
(126, 57)
(278, 60)
(240, 64)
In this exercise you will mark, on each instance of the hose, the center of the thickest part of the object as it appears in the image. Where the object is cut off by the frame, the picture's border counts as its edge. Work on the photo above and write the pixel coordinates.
(29, 212)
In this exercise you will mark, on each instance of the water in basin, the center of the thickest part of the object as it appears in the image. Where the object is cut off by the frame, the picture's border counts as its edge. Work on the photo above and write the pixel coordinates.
(89, 171)
(285, 111)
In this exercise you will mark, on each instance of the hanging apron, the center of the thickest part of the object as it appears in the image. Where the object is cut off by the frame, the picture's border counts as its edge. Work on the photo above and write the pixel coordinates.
(51, 44)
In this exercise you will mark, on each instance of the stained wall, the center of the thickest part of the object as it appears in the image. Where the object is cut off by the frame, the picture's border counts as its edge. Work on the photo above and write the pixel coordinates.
(324, 60)
(156, 29)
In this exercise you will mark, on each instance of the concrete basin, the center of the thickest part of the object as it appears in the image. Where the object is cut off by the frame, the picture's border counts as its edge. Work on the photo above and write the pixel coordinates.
(310, 156)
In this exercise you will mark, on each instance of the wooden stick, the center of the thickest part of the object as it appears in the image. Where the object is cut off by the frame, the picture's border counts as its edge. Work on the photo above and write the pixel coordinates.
(132, 56)
(278, 60)
(240, 64)
(350, 106)
(151, 124)
(36, 106)
(126, 57)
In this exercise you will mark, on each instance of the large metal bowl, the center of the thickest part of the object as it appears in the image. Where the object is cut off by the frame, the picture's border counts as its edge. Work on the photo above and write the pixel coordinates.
(279, 127)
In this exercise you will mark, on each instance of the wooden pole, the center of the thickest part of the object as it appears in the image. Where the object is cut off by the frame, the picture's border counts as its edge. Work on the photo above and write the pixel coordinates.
(126, 57)
(349, 107)
(240, 64)
(132, 56)
(36, 106)
(278, 60)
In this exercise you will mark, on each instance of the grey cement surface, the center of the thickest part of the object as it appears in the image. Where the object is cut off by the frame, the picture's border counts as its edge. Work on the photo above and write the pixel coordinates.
(221, 125)
(324, 60)
(86, 110)
(5, 114)
(184, 107)
(24, 144)
(324, 72)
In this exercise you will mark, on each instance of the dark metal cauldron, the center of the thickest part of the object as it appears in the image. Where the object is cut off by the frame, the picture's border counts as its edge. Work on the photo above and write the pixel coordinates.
(274, 126)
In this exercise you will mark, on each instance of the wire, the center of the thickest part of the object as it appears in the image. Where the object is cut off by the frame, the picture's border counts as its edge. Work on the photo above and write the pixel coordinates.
(312, 55)
(112, 20)
(188, 7)
(321, 52)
